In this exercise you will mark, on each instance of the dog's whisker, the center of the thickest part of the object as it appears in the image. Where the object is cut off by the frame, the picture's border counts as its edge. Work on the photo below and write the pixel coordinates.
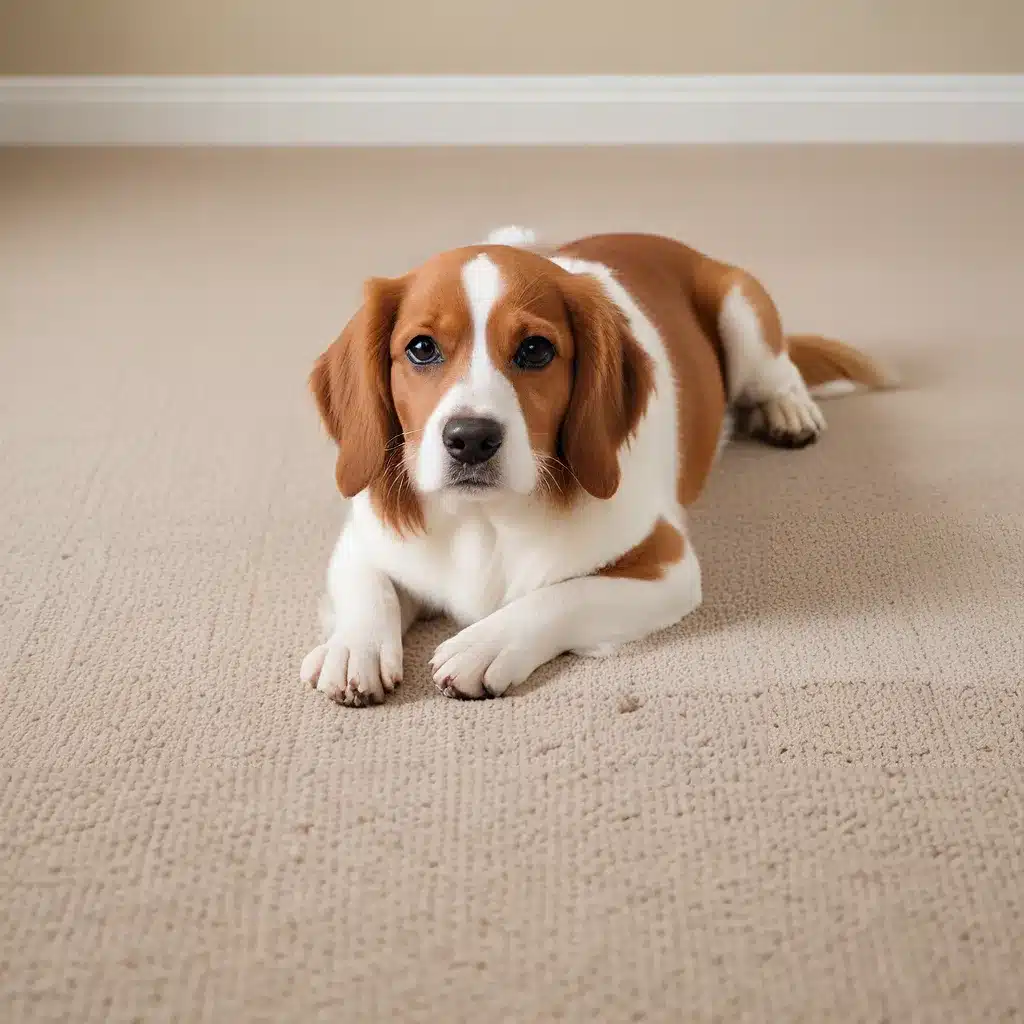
(548, 479)
(399, 439)
(545, 463)
(394, 476)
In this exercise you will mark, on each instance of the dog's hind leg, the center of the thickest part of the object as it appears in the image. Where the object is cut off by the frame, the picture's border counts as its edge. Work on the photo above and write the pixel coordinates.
(765, 386)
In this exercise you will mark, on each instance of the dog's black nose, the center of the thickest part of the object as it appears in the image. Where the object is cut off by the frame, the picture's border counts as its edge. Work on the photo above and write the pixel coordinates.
(472, 439)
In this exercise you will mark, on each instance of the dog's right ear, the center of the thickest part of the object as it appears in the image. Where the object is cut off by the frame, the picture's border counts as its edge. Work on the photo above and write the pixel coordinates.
(351, 383)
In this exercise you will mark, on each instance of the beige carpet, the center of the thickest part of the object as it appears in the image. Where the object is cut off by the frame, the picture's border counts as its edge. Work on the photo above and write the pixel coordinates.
(804, 804)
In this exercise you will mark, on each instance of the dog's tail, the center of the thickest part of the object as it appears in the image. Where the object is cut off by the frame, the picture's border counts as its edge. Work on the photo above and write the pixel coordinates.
(831, 367)
(521, 238)
(513, 234)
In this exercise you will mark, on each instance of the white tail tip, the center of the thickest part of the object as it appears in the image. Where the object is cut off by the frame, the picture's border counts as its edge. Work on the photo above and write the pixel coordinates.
(512, 234)
(834, 389)
(838, 388)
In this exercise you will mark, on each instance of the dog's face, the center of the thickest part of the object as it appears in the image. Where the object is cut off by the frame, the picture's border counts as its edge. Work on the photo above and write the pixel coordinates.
(481, 375)
(487, 372)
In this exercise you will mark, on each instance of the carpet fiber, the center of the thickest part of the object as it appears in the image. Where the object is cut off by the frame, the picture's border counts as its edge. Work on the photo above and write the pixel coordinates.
(805, 803)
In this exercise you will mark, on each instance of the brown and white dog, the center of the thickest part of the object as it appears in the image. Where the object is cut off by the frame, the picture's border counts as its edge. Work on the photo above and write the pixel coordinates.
(521, 432)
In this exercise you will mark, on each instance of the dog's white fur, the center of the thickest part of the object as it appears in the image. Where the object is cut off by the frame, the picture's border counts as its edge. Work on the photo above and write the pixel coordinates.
(516, 574)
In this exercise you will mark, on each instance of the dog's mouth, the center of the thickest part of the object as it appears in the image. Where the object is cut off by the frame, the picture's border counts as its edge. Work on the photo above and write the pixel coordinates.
(475, 481)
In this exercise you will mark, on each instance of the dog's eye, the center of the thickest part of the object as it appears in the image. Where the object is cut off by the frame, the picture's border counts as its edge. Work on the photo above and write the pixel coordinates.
(423, 351)
(534, 353)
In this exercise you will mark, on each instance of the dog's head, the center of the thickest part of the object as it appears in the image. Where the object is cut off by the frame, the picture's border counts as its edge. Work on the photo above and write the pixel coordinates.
(487, 372)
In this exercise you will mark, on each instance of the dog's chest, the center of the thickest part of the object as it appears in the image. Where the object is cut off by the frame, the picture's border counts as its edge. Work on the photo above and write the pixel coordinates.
(474, 568)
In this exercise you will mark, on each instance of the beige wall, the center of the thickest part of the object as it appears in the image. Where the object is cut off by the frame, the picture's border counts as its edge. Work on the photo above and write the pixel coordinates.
(508, 36)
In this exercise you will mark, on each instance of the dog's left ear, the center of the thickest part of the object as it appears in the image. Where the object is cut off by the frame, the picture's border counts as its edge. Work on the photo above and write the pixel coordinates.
(613, 381)
(351, 383)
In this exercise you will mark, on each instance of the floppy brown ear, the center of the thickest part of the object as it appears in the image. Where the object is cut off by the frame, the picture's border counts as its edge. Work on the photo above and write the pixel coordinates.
(351, 383)
(612, 384)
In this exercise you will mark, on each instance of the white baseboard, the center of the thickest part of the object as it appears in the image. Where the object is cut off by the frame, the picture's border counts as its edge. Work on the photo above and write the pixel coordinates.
(511, 110)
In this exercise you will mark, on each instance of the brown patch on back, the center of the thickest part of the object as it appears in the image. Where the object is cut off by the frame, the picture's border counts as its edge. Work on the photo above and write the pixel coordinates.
(662, 547)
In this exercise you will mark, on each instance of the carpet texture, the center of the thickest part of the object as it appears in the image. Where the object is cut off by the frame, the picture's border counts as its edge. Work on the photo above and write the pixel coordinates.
(805, 803)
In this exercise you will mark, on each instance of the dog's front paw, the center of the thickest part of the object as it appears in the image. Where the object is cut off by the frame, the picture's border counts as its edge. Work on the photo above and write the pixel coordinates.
(484, 660)
(354, 671)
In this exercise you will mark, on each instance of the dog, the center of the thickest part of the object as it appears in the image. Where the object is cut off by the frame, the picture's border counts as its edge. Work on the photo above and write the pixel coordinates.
(520, 431)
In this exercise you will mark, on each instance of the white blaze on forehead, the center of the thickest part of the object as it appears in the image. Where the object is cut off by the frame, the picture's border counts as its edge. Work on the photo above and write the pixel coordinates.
(483, 391)
(481, 281)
